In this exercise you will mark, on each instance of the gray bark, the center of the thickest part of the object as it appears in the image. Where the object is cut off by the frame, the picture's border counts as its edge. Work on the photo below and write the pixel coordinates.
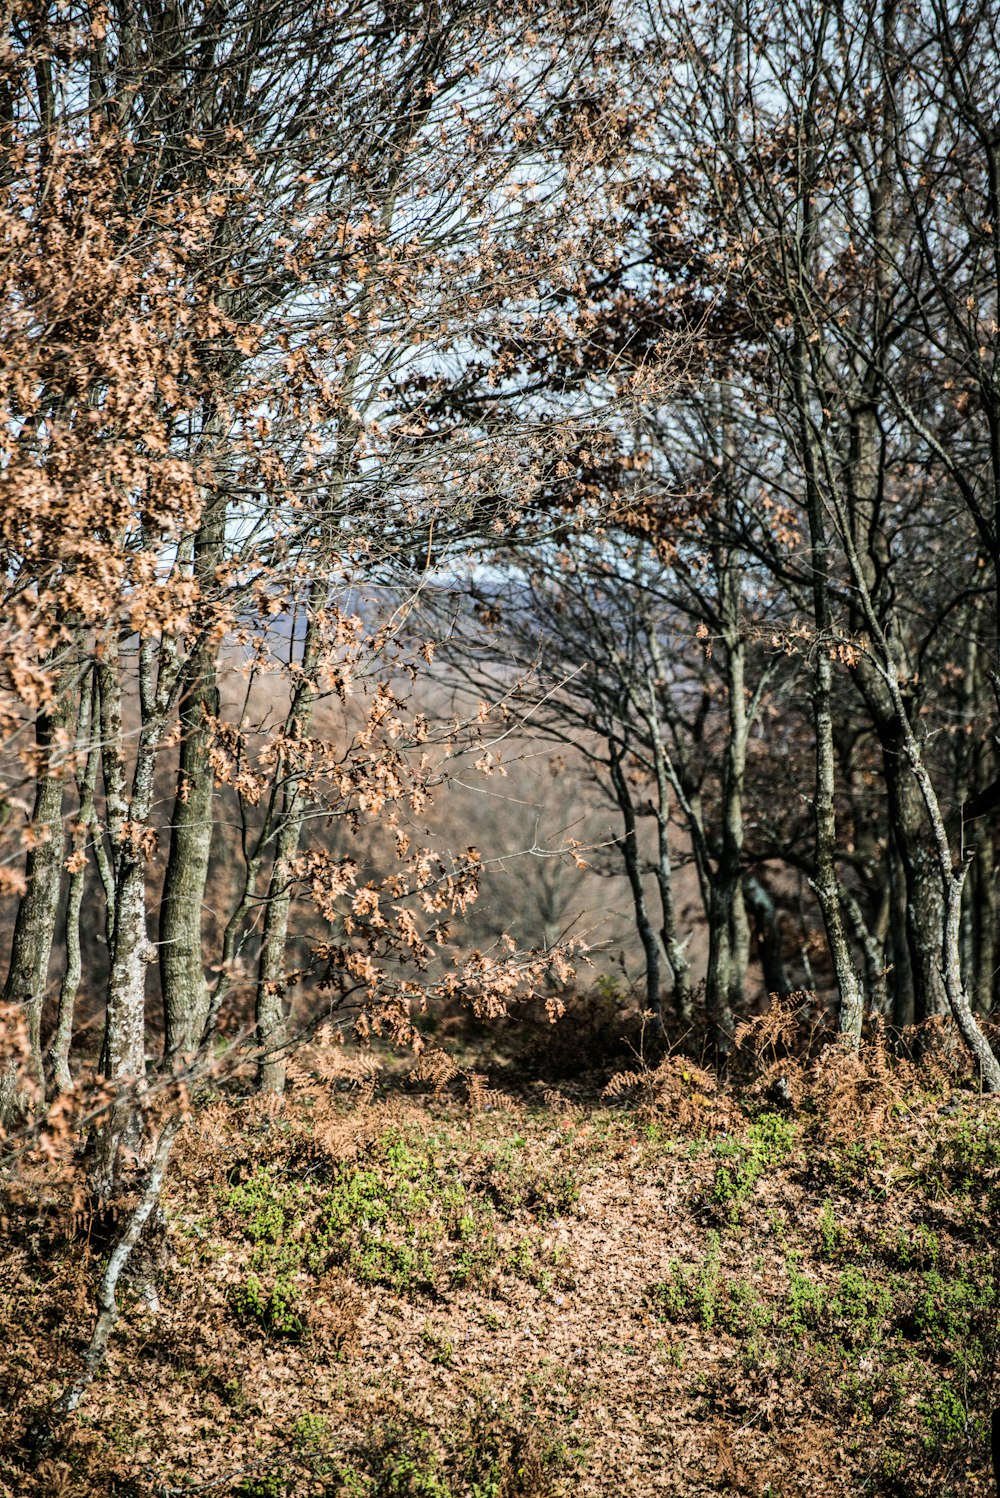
(86, 821)
(673, 947)
(107, 1301)
(182, 971)
(128, 807)
(761, 904)
(826, 884)
(633, 869)
(37, 911)
(272, 1029)
(949, 880)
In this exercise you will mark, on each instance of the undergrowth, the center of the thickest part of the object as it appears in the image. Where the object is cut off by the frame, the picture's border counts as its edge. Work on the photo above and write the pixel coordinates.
(495, 1449)
(413, 1215)
(788, 1285)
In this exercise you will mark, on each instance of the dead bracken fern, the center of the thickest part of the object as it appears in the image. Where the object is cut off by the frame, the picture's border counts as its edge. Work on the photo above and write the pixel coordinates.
(862, 1087)
(676, 1091)
(480, 1097)
(436, 1070)
(330, 1063)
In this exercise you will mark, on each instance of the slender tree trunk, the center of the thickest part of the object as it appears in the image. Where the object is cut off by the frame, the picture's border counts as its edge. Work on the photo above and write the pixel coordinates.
(739, 945)
(968, 1027)
(673, 948)
(729, 949)
(719, 981)
(826, 884)
(182, 970)
(107, 1298)
(83, 831)
(903, 998)
(62, 1040)
(768, 933)
(926, 892)
(630, 855)
(975, 761)
(123, 1052)
(272, 1029)
(37, 912)
(874, 955)
(272, 1026)
(985, 906)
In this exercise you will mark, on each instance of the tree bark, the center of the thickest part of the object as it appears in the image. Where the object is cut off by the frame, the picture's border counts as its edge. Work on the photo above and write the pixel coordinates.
(107, 1302)
(768, 933)
(86, 780)
(985, 906)
(903, 998)
(673, 947)
(272, 1029)
(37, 912)
(123, 1051)
(925, 886)
(182, 970)
(826, 884)
(630, 856)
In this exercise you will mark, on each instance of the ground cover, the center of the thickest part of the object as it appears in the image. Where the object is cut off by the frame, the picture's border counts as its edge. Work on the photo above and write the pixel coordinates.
(787, 1286)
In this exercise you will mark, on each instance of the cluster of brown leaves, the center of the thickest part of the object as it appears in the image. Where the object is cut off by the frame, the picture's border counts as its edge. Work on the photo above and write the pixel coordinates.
(676, 1092)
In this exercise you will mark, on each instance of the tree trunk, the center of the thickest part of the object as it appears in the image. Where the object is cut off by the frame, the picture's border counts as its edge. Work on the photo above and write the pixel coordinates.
(739, 946)
(768, 933)
(673, 948)
(851, 1005)
(85, 823)
(37, 912)
(630, 855)
(925, 887)
(851, 1008)
(719, 978)
(272, 1029)
(107, 1302)
(729, 949)
(123, 1051)
(903, 998)
(872, 950)
(182, 969)
(985, 906)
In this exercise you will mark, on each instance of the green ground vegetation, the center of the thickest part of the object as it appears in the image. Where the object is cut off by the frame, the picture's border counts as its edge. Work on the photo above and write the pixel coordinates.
(676, 1288)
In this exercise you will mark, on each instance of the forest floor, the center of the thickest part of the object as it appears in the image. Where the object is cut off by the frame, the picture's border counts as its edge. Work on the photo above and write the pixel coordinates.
(787, 1287)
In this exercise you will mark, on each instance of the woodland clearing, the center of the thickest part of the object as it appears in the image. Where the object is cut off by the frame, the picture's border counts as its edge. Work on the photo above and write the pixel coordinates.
(786, 1285)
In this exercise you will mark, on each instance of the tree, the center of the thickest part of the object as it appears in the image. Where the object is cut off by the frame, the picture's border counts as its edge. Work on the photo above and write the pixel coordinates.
(295, 283)
(799, 121)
